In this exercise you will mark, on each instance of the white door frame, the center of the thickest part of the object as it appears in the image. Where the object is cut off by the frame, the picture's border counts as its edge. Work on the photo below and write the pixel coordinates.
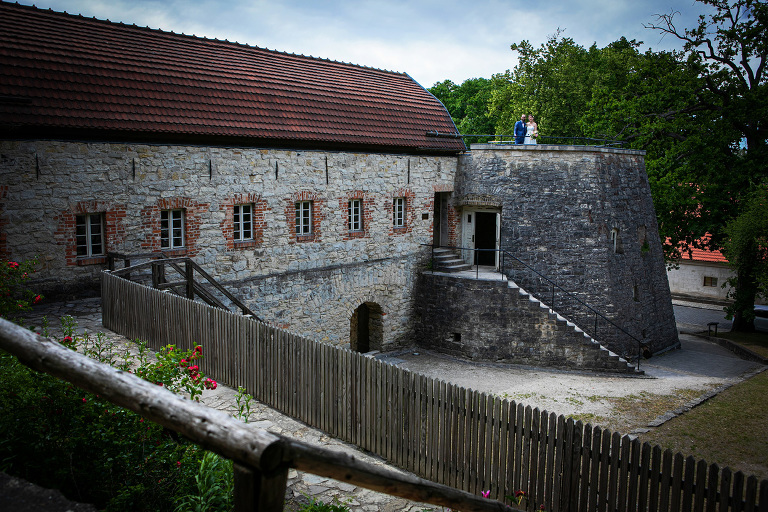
(468, 223)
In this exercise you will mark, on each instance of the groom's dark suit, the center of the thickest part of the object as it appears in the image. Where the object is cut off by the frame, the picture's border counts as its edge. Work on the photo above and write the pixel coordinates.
(519, 132)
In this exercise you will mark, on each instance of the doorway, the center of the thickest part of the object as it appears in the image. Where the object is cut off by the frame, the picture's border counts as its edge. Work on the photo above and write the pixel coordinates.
(440, 219)
(366, 328)
(480, 230)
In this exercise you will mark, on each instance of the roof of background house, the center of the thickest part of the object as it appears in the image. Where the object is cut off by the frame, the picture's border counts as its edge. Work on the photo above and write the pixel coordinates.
(66, 76)
(704, 255)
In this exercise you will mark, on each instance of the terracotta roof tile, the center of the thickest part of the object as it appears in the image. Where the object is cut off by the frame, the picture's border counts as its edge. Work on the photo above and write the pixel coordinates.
(64, 72)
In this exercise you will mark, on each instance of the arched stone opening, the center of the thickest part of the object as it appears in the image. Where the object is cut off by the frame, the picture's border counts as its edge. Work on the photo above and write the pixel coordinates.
(366, 328)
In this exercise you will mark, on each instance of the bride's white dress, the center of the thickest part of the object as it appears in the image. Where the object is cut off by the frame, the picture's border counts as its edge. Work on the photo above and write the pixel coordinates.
(529, 129)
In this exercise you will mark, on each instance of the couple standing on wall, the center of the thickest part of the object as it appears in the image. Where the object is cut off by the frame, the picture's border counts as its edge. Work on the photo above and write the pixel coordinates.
(526, 133)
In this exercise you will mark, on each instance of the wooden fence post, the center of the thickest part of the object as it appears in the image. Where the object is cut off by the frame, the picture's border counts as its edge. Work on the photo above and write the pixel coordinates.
(258, 491)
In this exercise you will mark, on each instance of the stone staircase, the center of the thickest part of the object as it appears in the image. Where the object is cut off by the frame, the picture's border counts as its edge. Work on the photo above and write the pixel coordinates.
(446, 260)
(494, 319)
(612, 362)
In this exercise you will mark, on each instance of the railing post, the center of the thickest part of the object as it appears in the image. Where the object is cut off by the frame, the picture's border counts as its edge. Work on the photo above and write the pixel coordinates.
(256, 491)
(189, 269)
(595, 335)
(156, 267)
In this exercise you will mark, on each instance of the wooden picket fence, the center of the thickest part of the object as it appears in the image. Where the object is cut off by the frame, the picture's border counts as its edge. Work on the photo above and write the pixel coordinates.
(446, 433)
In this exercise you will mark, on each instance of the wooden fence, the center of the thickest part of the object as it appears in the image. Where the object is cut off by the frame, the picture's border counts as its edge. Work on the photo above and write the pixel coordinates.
(442, 432)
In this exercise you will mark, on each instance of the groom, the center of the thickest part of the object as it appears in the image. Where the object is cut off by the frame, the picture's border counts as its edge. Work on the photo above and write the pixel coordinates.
(520, 130)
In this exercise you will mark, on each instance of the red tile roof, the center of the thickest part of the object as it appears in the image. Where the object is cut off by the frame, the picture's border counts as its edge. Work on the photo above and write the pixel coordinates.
(65, 75)
(703, 255)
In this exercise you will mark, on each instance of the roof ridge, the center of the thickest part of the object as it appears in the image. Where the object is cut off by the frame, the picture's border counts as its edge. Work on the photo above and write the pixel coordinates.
(207, 39)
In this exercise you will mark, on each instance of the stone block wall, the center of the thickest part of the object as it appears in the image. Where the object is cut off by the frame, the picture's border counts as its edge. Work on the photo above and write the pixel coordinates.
(583, 217)
(487, 320)
(310, 284)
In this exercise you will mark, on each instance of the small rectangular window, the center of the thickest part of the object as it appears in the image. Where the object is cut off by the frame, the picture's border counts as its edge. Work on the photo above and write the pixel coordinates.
(710, 281)
(303, 218)
(398, 212)
(243, 222)
(89, 234)
(355, 215)
(171, 229)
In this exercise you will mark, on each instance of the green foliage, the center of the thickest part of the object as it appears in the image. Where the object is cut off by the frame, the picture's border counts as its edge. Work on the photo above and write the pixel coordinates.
(214, 481)
(15, 297)
(468, 105)
(175, 370)
(315, 505)
(746, 248)
(243, 401)
(59, 436)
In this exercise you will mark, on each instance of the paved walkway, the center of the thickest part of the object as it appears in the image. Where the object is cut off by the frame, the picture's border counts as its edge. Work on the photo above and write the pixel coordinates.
(700, 368)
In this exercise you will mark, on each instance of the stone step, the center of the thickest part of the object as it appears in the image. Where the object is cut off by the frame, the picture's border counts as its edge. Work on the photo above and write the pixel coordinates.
(612, 361)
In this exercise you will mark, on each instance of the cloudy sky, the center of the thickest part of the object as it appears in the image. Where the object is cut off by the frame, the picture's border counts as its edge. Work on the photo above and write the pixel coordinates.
(431, 40)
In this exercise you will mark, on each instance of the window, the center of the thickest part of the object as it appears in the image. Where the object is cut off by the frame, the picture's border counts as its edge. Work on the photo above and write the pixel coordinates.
(356, 215)
(616, 240)
(710, 281)
(89, 232)
(304, 218)
(171, 229)
(398, 212)
(243, 222)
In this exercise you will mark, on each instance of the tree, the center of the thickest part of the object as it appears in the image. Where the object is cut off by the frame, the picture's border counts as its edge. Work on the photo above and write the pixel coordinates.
(729, 46)
(468, 104)
(747, 251)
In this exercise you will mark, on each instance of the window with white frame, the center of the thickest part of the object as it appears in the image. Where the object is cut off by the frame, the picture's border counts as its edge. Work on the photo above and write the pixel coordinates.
(243, 222)
(303, 218)
(171, 229)
(356, 215)
(398, 212)
(89, 234)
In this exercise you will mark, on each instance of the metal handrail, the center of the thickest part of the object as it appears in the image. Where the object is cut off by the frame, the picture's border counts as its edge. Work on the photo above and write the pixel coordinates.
(510, 139)
(504, 253)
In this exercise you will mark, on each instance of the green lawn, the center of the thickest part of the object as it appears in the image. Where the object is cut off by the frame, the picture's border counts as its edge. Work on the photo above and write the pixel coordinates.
(757, 342)
(730, 429)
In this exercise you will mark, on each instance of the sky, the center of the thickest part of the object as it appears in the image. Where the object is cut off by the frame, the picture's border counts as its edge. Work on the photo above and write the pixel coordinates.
(431, 40)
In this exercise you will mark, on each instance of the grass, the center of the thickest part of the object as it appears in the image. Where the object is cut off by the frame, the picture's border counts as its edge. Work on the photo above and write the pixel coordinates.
(730, 429)
(757, 342)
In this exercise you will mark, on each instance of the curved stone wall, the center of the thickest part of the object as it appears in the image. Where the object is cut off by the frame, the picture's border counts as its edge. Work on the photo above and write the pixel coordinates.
(584, 217)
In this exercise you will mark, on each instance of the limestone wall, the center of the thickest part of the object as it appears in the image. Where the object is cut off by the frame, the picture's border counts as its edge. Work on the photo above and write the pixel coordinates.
(309, 284)
(562, 208)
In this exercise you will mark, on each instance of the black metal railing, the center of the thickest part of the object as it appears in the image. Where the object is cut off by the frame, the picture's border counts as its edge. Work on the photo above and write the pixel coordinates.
(512, 267)
(541, 139)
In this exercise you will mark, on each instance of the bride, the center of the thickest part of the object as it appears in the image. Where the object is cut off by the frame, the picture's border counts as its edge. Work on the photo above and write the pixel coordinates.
(531, 130)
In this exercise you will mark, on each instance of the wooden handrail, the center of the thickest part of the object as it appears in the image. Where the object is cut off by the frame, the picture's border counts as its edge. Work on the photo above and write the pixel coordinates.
(174, 263)
(261, 458)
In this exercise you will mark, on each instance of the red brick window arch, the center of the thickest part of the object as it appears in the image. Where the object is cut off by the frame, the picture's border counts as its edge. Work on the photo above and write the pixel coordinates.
(244, 221)
(89, 230)
(356, 211)
(402, 211)
(172, 225)
(304, 213)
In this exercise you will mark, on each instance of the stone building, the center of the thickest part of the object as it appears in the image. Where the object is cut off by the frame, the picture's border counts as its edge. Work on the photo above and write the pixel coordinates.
(310, 188)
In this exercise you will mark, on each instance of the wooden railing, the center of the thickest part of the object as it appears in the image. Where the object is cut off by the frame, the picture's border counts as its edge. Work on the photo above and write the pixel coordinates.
(261, 459)
(442, 432)
(186, 269)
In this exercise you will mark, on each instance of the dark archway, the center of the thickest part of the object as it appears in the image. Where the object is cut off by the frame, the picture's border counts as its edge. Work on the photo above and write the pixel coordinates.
(366, 328)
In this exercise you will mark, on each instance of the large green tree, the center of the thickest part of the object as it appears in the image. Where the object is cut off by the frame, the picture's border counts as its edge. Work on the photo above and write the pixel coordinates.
(468, 105)
(729, 46)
